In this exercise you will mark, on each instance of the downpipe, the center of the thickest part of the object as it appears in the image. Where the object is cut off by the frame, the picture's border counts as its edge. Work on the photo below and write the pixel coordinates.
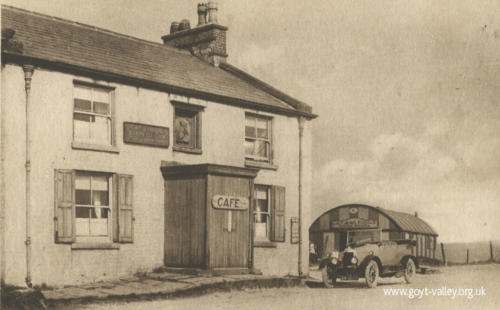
(28, 74)
(301, 146)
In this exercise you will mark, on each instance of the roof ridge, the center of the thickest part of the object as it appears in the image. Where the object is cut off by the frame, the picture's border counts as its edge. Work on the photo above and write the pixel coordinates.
(396, 211)
(97, 29)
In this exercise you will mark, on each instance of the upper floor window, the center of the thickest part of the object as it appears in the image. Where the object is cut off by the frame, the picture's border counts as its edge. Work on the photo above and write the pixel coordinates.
(258, 138)
(92, 119)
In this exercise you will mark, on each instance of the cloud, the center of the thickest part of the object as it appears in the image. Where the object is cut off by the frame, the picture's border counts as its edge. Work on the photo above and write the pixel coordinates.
(411, 174)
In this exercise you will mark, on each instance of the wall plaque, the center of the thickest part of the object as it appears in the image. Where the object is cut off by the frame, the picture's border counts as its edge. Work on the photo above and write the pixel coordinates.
(142, 134)
(294, 236)
(229, 202)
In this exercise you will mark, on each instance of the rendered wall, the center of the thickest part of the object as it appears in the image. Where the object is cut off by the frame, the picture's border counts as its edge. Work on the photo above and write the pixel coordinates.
(52, 107)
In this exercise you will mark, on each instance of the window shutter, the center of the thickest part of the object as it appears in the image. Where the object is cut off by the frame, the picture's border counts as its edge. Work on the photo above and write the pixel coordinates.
(64, 206)
(278, 214)
(125, 217)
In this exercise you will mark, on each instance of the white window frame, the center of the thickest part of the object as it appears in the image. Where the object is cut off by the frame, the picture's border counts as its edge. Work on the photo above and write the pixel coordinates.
(96, 238)
(267, 189)
(108, 116)
(267, 141)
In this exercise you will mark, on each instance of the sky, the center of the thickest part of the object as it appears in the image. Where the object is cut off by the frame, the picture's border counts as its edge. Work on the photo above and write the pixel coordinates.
(407, 93)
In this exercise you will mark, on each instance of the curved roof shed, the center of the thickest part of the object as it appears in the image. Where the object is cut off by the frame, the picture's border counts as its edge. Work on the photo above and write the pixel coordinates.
(359, 216)
(408, 223)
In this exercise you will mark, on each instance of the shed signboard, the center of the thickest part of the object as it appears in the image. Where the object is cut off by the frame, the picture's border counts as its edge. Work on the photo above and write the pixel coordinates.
(229, 202)
(355, 223)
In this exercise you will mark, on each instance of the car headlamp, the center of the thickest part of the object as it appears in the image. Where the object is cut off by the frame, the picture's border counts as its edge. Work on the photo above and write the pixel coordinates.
(354, 260)
(334, 260)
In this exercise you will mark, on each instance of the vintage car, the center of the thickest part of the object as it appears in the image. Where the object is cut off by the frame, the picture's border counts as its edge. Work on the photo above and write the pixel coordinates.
(370, 260)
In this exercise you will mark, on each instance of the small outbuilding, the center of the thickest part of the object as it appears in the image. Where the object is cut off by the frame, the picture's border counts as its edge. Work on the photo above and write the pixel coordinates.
(340, 226)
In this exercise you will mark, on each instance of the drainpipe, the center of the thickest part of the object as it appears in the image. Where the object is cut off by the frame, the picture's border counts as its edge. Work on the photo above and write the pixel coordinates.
(28, 73)
(301, 146)
(2, 198)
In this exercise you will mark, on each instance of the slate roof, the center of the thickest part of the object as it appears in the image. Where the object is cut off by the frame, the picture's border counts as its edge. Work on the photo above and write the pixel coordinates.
(60, 41)
(408, 222)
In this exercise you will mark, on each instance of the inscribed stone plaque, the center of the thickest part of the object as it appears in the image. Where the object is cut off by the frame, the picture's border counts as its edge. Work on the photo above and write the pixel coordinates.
(145, 134)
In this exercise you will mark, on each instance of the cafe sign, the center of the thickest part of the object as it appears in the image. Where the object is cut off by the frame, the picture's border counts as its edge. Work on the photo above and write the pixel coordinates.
(229, 202)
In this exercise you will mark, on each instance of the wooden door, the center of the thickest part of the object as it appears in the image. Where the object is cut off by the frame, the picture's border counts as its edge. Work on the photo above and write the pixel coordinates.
(185, 222)
(228, 230)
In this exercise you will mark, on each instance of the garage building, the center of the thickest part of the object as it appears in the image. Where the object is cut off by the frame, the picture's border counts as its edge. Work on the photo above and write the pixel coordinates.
(342, 225)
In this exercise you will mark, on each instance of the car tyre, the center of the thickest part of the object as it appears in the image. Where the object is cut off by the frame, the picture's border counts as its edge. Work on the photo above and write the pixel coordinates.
(410, 270)
(371, 274)
(328, 276)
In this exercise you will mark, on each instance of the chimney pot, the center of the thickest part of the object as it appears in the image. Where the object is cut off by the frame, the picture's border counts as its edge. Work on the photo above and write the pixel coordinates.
(202, 14)
(174, 27)
(212, 12)
(206, 41)
(184, 25)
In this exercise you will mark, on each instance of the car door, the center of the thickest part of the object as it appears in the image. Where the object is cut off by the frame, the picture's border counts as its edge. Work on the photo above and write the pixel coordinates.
(388, 251)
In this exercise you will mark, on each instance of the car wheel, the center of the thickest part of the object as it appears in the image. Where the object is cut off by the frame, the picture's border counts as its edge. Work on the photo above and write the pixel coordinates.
(371, 274)
(328, 276)
(410, 270)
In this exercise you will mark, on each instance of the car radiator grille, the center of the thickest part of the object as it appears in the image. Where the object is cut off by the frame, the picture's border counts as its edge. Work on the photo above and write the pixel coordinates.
(346, 259)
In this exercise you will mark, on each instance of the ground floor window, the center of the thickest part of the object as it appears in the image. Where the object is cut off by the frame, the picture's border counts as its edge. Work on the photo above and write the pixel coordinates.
(93, 200)
(262, 213)
(269, 213)
(93, 207)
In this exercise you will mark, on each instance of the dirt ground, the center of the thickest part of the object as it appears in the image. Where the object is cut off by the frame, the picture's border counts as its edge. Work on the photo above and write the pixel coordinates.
(352, 295)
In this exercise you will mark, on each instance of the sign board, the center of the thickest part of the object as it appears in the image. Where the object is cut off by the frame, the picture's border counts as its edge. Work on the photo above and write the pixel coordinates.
(355, 223)
(229, 202)
(145, 134)
(294, 237)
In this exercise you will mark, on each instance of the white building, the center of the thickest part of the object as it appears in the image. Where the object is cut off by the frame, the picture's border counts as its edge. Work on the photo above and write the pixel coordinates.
(100, 133)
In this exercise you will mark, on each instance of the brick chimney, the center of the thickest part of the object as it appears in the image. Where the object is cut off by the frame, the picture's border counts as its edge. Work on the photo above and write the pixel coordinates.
(207, 40)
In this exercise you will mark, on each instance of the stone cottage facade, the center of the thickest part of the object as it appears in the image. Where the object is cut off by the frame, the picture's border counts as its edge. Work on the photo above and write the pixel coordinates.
(120, 155)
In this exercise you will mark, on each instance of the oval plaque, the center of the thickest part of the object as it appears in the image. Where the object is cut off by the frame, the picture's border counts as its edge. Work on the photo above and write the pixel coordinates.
(229, 202)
